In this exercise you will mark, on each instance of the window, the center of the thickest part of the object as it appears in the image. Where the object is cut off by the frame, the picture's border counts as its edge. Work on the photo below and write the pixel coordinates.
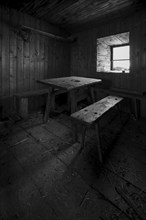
(120, 58)
(113, 53)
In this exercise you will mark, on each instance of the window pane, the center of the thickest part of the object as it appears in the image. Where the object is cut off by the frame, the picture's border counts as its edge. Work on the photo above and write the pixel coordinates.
(121, 65)
(121, 52)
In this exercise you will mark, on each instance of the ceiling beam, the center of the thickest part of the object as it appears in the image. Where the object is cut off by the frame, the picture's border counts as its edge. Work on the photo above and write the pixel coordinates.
(47, 34)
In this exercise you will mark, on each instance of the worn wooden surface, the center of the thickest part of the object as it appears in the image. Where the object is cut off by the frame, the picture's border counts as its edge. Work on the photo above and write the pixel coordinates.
(31, 93)
(44, 177)
(69, 83)
(84, 53)
(26, 56)
(92, 113)
(77, 14)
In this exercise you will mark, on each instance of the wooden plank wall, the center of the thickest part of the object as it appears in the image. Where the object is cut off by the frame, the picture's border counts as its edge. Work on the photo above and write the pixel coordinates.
(27, 56)
(83, 52)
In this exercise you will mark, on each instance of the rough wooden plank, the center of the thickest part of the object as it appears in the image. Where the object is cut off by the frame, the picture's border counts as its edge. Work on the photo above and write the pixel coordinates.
(37, 54)
(25, 201)
(20, 81)
(15, 135)
(10, 170)
(59, 130)
(69, 83)
(31, 93)
(48, 104)
(26, 55)
(23, 107)
(22, 52)
(13, 54)
(32, 56)
(105, 182)
(5, 53)
(92, 113)
(73, 101)
(128, 167)
(31, 154)
(1, 51)
(49, 140)
(96, 206)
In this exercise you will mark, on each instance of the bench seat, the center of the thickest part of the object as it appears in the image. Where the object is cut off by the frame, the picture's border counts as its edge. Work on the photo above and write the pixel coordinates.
(31, 93)
(136, 97)
(91, 114)
(21, 99)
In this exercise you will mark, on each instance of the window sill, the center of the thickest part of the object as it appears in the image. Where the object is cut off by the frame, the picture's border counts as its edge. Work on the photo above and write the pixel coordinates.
(116, 71)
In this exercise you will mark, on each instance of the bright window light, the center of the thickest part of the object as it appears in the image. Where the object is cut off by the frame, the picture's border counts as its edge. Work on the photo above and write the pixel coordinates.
(120, 58)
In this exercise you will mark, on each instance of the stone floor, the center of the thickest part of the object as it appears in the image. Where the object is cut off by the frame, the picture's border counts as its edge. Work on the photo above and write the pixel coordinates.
(43, 175)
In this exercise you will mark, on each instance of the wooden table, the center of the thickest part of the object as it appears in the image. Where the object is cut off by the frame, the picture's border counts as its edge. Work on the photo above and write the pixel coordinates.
(69, 84)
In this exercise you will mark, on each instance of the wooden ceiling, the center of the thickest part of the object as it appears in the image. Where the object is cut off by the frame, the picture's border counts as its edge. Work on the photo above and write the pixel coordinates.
(74, 14)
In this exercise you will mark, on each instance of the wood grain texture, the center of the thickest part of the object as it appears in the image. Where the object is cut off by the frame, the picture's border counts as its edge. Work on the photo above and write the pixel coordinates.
(0, 52)
(75, 14)
(84, 52)
(69, 83)
(26, 56)
(92, 113)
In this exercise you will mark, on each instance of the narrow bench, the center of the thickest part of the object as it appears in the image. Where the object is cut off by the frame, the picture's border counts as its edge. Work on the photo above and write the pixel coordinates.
(91, 114)
(22, 99)
(135, 96)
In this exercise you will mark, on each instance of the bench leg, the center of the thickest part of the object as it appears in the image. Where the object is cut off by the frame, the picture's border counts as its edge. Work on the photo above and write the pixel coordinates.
(91, 93)
(53, 102)
(98, 142)
(136, 108)
(48, 105)
(83, 137)
(73, 101)
(75, 132)
(120, 113)
(23, 107)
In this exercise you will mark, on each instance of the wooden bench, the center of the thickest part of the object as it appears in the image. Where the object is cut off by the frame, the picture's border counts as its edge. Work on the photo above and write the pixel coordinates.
(21, 99)
(135, 96)
(91, 114)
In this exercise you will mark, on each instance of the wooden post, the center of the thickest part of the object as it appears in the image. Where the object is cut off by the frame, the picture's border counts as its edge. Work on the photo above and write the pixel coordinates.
(98, 142)
(83, 137)
(136, 108)
(48, 105)
(23, 107)
(91, 93)
(75, 132)
(73, 101)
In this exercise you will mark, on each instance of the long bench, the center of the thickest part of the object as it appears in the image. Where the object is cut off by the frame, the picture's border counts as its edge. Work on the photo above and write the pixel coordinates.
(135, 96)
(21, 99)
(90, 116)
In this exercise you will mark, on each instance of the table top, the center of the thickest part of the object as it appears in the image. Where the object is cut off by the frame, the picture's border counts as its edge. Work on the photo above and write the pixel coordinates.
(69, 83)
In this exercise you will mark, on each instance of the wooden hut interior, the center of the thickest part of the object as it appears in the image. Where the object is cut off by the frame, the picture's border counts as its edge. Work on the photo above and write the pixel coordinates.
(73, 110)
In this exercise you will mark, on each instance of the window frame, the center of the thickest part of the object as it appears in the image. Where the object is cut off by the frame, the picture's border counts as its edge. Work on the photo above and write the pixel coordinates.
(111, 61)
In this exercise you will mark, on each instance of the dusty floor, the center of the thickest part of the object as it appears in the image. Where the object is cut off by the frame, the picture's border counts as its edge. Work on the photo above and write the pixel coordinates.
(43, 176)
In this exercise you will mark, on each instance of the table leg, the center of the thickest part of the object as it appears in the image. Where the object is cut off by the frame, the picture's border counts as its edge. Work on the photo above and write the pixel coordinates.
(73, 101)
(91, 92)
(136, 108)
(98, 142)
(83, 138)
(48, 105)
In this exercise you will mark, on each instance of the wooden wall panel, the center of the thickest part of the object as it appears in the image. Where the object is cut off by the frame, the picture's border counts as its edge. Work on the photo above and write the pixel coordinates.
(5, 54)
(83, 52)
(13, 55)
(0, 52)
(26, 56)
